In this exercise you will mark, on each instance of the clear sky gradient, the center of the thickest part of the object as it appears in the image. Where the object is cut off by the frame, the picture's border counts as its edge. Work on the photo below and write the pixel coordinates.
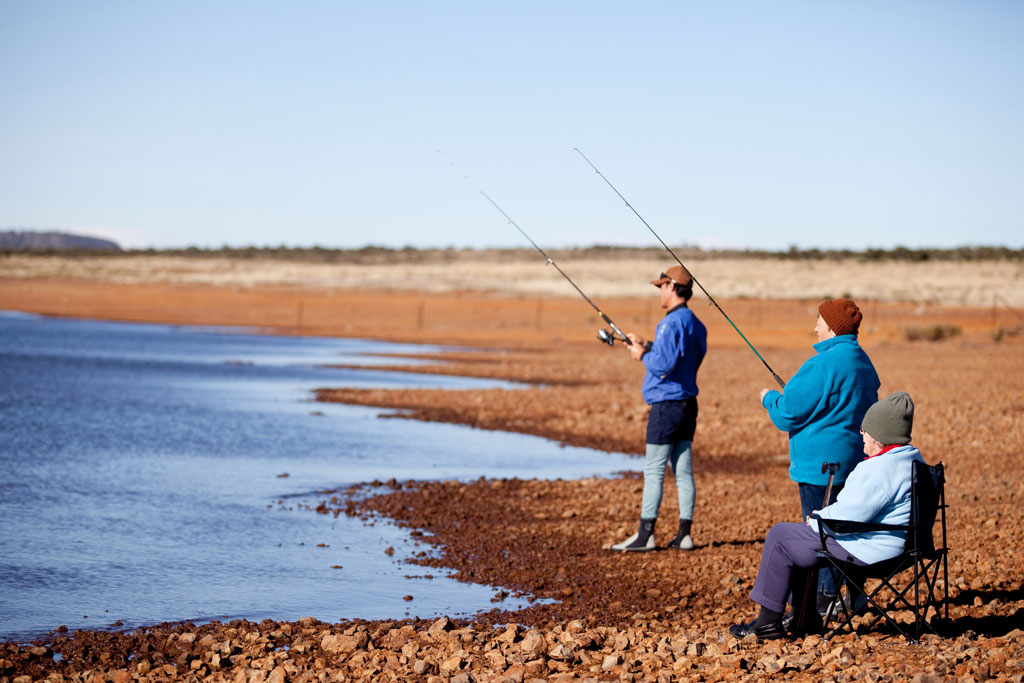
(725, 124)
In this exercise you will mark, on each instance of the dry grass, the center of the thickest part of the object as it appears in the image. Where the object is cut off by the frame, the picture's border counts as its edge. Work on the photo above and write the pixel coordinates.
(976, 283)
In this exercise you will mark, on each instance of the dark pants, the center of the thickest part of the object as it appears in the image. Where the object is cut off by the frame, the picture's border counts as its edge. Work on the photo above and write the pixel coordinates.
(788, 547)
(812, 498)
(670, 422)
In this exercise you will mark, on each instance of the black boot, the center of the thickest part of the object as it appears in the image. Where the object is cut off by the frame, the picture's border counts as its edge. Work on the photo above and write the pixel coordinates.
(682, 541)
(641, 541)
(767, 626)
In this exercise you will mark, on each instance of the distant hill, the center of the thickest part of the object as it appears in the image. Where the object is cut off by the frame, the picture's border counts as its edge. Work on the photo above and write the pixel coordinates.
(16, 240)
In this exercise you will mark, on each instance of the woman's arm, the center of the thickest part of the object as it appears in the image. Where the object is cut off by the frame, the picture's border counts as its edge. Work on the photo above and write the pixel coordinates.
(801, 401)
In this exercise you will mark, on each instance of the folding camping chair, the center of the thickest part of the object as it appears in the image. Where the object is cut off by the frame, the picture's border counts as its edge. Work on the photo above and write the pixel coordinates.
(920, 562)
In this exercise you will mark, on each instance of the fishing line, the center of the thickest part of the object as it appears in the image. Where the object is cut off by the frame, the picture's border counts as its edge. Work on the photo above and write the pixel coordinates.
(695, 281)
(603, 335)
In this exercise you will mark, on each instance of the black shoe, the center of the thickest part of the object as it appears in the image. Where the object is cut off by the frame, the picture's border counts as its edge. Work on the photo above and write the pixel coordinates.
(681, 543)
(813, 623)
(813, 626)
(641, 541)
(636, 544)
(839, 609)
(773, 630)
(827, 605)
(683, 540)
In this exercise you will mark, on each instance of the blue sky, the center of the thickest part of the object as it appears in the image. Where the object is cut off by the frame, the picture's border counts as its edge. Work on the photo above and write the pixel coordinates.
(725, 124)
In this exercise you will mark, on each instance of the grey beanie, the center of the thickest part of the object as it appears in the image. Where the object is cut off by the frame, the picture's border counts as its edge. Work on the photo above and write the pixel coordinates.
(890, 420)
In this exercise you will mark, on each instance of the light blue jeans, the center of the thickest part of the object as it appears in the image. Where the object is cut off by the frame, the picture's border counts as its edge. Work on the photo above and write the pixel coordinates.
(677, 455)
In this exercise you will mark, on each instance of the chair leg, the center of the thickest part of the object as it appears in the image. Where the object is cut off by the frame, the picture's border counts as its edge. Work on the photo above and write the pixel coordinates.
(883, 612)
(930, 572)
(919, 603)
(838, 610)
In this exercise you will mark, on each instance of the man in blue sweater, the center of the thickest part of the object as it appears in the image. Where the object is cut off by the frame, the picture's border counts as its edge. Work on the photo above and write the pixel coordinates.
(670, 388)
(822, 407)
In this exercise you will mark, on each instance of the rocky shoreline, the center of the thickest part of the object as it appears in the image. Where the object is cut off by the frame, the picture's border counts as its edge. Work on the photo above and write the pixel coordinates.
(645, 649)
(602, 616)
(599, 615)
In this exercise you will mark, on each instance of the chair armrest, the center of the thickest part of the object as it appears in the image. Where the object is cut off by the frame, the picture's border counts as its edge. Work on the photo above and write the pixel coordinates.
(844, 526)
(839, 527)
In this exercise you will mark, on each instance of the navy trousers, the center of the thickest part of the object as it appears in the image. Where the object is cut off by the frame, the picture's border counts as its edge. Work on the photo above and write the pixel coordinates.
(788, 546)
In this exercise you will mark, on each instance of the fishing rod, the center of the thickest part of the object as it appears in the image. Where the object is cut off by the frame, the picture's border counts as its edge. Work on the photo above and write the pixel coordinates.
(695, 281)
(602, 334)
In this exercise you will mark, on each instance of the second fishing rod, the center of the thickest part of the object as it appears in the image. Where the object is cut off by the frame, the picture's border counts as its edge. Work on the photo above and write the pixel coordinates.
(711, 299)
(605, 336)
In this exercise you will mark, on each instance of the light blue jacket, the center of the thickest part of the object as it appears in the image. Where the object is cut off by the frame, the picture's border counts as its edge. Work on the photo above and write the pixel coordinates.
(822, 407)
(878, 490)
(679, 345)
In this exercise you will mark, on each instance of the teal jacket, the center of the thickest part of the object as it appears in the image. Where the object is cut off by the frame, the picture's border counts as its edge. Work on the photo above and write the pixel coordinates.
(822, 408)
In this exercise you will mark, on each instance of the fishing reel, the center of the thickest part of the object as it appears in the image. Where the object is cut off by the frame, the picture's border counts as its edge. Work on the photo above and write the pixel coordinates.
(606, 337)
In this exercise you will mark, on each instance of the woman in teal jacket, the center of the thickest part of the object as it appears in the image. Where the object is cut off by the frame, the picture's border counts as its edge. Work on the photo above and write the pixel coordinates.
(823, 404)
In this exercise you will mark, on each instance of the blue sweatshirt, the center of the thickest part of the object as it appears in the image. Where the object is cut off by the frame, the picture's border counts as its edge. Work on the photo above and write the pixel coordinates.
(878, 490)
(679, 345)
(822, 408)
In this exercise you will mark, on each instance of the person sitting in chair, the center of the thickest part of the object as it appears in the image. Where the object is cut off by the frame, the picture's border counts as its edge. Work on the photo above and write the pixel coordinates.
(877, 490)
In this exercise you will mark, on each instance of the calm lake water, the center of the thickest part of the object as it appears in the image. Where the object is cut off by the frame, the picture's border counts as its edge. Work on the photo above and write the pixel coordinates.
(139, 477)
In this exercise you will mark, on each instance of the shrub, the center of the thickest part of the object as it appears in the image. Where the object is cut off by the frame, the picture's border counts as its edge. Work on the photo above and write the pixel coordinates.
(1000, 333)
(932, 332)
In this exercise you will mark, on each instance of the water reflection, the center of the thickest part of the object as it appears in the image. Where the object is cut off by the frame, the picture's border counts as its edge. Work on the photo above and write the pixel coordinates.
(141, 477)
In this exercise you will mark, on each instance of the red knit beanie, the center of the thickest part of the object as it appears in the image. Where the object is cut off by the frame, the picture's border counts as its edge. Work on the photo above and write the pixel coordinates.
(841, 315)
